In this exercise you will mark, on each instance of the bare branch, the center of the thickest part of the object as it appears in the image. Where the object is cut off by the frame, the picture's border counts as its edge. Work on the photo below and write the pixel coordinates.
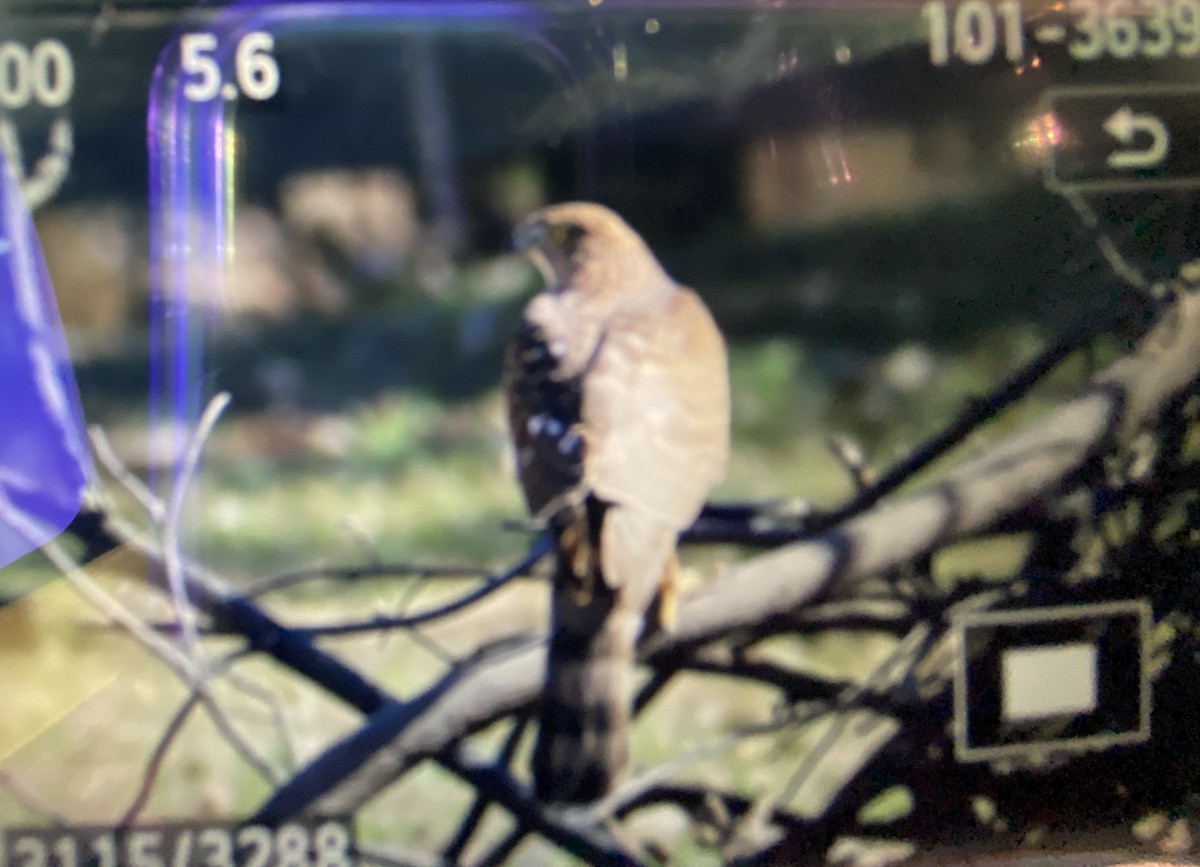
(906, 654)
(30, 800)
(154, 763)
(199, 696)
(181, 665)
(696, 799)
(542, 545)
(974, 414)
(850, 455)
(540, 548)
(861, 612)
(100, 599)
(567, 828)
(353, 573)
(794, 685)
(746, 525)
(172, 517)
(503, 849)
(470, 823)
(274, 708)
(1108, 250)
(152, 505)
(229, 610)
(366, 745)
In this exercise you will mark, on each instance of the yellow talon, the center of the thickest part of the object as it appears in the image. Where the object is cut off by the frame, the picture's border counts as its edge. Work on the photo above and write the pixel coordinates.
(668, 596)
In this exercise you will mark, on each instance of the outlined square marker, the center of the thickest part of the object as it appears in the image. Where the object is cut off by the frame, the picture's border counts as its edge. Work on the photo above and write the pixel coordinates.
(1070, 677)
(43, 461)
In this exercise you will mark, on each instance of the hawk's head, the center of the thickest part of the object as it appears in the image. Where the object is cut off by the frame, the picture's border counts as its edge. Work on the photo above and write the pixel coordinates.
(585, 247)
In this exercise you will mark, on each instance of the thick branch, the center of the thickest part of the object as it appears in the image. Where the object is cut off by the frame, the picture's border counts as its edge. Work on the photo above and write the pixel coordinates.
(963, 501)
(228, 609)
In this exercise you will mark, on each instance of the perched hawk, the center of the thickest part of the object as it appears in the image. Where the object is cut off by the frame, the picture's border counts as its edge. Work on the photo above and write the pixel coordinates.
(618, 403)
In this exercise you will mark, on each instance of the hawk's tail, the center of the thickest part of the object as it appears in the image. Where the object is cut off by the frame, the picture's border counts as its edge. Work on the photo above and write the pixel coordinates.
(583, 734)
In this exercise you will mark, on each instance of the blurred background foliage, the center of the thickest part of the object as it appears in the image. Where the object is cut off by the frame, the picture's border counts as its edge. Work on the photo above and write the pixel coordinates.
(875, 240)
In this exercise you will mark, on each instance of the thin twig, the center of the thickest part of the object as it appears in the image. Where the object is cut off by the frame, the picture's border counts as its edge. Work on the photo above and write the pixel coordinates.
(850, 455)
(172, 519)
(240, 745)
(274, 708)
(567, 829)
(500, 853)
(542, 545)
(664, 772)
(181, 665)
(794, 685)
(107, 456)
(30, 800)
(1112, 256)
(433, 647)
(100, 599)
(199, 695)
(215, 598)
(617, 802)
(360, 536)
(352, 573)
(694, 798)
(975, 413)
(906, 651)
(154, 763)
(718, 524)
(454, 849)
(155, 643)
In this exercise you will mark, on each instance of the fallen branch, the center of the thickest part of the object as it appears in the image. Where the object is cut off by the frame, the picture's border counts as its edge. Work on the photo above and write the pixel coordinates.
(964, 501)
(226, 608)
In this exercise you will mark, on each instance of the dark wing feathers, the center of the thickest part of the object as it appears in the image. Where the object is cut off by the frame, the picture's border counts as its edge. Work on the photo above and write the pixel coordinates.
(543, 416)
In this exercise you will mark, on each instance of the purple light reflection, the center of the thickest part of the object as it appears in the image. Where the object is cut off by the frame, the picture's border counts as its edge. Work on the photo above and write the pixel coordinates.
(190, 199)
(191, 183)
(44, 464)
(191, 172)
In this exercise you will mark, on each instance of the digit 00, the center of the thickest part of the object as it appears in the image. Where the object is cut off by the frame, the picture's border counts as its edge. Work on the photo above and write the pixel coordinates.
(45, 75)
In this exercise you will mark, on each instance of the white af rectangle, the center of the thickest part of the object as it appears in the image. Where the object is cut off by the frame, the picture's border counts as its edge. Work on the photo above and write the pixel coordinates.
(1048, 681)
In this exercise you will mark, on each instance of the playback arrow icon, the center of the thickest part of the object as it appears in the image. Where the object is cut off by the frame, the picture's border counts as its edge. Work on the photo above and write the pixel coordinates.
(1125, 126)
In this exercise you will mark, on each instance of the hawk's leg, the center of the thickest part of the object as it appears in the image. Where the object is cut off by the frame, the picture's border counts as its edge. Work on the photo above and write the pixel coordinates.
(578, 537)
(667, 600)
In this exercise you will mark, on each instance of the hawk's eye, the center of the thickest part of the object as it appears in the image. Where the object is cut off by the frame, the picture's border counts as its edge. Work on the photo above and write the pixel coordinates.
(565, 236)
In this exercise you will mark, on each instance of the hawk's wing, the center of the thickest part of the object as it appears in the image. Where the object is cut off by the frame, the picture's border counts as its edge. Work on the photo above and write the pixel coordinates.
(637, 416)
(543, 417)
(655, 411)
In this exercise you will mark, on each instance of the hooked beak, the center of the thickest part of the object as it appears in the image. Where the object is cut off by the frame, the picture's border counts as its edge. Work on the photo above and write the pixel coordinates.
(530, 238)
(528, 235)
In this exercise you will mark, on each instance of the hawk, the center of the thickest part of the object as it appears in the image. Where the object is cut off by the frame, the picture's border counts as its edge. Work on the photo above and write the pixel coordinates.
(618, 405)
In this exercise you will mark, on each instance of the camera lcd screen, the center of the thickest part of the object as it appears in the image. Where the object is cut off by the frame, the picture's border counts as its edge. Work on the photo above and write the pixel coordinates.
(547, 432)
